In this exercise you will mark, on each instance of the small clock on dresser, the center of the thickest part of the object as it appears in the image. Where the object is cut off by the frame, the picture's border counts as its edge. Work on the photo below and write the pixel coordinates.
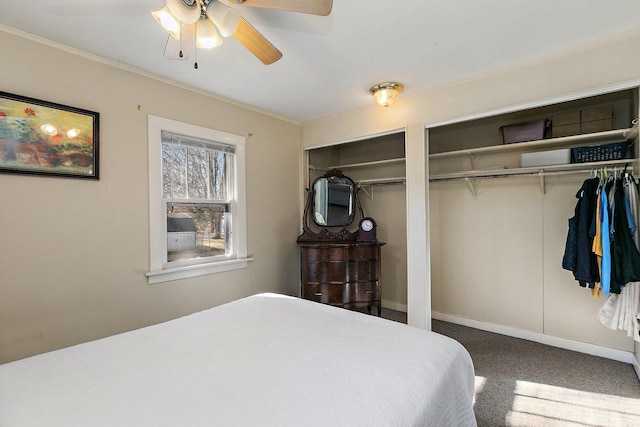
(367, 230)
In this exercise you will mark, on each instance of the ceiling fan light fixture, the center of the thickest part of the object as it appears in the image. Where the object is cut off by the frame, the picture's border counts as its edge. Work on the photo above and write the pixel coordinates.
(206, 35)
(386, 93)
(226, 18)
(185, 11)
(167, 21)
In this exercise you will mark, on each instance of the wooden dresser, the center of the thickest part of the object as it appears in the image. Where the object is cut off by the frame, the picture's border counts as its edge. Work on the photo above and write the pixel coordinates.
(341, 273)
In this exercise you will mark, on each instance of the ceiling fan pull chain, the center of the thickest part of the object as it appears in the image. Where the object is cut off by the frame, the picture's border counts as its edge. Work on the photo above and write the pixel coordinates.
(195, 52)
(180, 54)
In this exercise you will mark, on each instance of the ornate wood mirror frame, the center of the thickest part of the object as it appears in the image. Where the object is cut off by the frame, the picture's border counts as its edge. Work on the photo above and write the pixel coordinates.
(332, 200)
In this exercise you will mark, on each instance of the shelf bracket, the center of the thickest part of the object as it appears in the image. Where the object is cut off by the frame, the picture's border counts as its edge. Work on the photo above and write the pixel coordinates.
(472, 161)
(362, 187)
(472, 186)
(542, 183)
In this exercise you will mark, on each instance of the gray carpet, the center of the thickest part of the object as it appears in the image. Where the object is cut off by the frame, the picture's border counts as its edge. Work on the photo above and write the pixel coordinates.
(523, 383)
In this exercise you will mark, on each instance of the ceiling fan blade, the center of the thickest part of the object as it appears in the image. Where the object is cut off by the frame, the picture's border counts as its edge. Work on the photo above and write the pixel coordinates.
(256, 43)
(313, 7)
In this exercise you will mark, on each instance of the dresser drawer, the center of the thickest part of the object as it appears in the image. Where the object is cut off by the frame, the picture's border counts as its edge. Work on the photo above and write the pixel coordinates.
(363, 270)
(364, 291)
(364, 253)
(324, 293)
(324, 254)
(326, 272)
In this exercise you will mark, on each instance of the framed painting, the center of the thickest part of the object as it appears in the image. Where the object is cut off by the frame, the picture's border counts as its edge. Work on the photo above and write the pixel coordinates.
(43, 138)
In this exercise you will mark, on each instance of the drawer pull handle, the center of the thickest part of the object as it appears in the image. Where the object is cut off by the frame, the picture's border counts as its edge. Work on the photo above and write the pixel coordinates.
(318, 294)
(368, 291)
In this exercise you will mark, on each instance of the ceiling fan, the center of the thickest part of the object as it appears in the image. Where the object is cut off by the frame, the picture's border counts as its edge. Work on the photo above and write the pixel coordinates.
(201, 22)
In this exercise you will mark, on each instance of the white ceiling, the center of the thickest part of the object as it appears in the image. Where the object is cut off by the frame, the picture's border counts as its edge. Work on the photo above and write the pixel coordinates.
(330, 62)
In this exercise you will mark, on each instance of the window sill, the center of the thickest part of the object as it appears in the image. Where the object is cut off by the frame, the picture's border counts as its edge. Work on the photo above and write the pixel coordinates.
(196, 270)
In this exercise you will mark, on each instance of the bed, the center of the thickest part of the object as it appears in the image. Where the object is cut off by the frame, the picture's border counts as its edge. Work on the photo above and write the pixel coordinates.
(265, 360)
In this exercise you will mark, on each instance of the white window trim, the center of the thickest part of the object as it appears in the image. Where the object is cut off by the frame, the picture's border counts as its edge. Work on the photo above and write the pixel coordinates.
(158, 238)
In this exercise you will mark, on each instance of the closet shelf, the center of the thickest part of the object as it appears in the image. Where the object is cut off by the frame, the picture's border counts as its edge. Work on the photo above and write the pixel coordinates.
(534, 170)
(365, 164)
(383, 181)
(317, 168)
(562, 142)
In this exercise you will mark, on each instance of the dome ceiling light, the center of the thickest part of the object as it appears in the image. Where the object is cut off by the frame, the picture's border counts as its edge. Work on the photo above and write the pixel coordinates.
(386, 93)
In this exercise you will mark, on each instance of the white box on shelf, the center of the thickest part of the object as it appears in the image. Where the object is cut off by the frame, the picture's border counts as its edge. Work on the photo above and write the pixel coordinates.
(546, 158)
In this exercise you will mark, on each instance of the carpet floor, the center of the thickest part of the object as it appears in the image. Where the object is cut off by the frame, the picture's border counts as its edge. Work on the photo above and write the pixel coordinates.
(524, 383)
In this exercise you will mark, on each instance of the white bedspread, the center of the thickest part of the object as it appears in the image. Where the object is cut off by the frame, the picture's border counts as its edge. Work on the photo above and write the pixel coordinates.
(266, 360)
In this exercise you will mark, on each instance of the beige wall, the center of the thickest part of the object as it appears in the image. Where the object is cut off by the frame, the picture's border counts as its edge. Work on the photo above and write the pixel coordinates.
(607, 66)
(388, 207)
(73, 253)
(497, 259)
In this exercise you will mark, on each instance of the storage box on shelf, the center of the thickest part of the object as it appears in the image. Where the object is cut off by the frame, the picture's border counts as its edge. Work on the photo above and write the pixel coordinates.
(523, 132)
(584, 154)
(596, 119)
(587, 120)
(546, 158)
(565, 124)
(599, 153)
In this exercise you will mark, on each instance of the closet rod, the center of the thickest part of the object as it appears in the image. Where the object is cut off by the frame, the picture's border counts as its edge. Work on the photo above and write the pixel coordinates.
(533, 170)
(541, 172)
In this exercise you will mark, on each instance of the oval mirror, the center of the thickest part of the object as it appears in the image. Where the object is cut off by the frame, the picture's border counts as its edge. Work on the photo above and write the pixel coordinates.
(333, 201)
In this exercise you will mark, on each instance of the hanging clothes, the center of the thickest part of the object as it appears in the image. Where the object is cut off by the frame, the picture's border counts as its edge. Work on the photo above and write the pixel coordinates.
(622, 311)
(602, 204)
(596, 248)
(625, 265)
(578, 256)
(631, 191)
(605, 282)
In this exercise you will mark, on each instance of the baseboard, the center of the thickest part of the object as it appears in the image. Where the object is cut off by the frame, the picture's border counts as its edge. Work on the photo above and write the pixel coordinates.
(394, 306)
(567, 344)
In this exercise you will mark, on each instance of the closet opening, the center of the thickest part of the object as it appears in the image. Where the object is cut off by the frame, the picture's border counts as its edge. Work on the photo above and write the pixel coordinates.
(499, 219)
(377, 165)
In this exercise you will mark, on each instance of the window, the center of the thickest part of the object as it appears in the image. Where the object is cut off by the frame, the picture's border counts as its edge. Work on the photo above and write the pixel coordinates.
(196, 200)
(197, 190)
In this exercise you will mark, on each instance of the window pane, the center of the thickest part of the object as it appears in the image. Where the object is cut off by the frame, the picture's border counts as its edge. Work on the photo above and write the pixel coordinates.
(174, 184)
(218, 175)
(197, 173)
(197, 230)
